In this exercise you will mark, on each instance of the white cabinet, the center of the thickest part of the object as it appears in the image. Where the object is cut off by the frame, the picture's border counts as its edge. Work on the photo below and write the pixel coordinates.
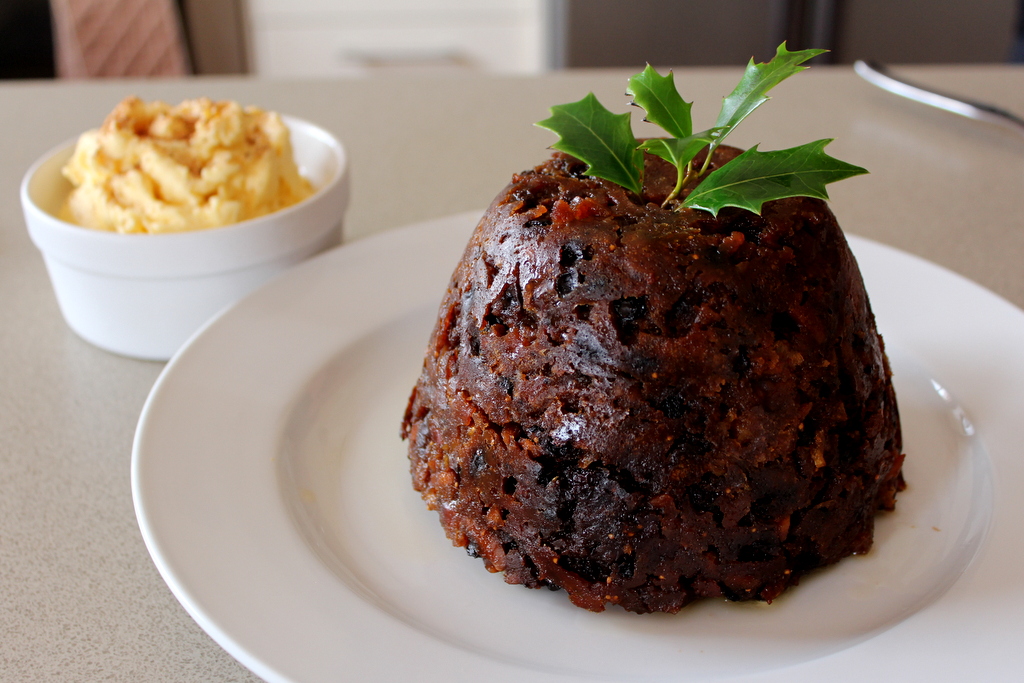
(311, 38)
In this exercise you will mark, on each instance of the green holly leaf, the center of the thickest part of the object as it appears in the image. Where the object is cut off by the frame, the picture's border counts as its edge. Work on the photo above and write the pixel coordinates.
(602, 140)
(661, 101)
(757, 80)
(665, 107)
(680, 152)
(754, 177)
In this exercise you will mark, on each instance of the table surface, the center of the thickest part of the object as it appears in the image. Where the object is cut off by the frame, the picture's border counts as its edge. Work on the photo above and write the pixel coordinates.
(80, 598)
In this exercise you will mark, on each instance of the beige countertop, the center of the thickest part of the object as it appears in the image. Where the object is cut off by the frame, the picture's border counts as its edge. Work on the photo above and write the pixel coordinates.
(79, 596)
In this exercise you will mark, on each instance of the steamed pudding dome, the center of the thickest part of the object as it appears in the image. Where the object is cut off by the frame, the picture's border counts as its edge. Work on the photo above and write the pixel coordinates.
(155, 168)
(644, 406)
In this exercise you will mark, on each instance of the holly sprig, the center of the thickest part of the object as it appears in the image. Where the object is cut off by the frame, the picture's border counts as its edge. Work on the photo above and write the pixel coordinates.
(605, 142)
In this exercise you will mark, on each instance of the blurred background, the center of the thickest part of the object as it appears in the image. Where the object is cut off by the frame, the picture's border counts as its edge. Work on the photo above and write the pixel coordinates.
(323, 38)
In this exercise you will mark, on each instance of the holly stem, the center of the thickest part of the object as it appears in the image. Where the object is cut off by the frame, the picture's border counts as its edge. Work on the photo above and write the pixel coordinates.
(707, 162)
(682, 179)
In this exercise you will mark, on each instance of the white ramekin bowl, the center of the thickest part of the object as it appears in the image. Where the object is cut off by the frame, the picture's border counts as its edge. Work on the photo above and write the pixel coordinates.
(144, 295)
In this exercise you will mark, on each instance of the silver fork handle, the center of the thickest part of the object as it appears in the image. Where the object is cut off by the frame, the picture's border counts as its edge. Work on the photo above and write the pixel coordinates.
(880, 76)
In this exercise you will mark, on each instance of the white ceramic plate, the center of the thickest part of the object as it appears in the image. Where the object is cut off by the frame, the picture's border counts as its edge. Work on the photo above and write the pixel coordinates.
(272, 491)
